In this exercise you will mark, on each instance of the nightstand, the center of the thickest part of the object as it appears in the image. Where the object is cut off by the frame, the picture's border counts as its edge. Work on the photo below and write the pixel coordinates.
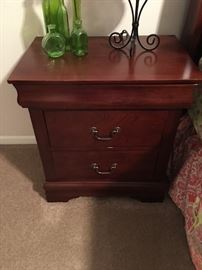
(105, 123)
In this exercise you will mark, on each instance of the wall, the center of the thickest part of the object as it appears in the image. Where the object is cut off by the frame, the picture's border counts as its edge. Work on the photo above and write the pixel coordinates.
(22, 20)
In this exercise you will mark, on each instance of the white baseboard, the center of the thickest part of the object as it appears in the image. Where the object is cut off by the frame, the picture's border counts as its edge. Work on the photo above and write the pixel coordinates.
(17, 140)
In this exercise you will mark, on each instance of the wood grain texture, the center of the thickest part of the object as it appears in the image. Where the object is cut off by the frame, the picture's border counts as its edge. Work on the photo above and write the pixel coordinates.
(116, 97)
(73, 129)
(144, 191)
(40, 130)
(77, 165)
(103, 65)
(144, 96)
(166, 146)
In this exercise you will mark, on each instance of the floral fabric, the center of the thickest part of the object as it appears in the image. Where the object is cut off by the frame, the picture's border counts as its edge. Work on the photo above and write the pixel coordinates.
(186, 189)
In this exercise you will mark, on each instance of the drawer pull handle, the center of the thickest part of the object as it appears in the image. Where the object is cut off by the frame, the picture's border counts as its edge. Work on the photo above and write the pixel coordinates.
(115, 131)
(96, 168)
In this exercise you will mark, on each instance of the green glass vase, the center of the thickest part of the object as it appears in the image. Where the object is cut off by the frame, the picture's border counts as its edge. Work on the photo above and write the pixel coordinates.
(53, 43)
(55, 12)
(79, 38)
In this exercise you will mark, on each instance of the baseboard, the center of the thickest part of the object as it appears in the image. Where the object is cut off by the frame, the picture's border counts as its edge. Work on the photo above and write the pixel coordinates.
(17, 140)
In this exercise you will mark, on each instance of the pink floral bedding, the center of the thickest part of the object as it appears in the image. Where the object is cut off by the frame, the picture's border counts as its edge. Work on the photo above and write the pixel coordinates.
(186, 188)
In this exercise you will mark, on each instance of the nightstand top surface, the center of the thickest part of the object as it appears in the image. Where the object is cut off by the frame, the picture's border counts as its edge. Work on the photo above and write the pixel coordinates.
(168, 64)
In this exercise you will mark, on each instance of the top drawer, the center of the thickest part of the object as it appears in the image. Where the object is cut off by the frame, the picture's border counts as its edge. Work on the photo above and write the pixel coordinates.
(100, 129)
(105, 97)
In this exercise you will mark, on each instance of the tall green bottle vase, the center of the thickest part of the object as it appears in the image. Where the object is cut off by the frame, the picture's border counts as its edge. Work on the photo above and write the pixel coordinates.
(55, 13)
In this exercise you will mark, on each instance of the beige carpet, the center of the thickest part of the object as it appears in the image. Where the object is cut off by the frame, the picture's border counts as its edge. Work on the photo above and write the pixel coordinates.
(85, 233)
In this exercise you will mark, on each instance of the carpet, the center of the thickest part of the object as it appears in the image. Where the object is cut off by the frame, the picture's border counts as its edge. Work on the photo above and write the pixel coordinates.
(84, 233)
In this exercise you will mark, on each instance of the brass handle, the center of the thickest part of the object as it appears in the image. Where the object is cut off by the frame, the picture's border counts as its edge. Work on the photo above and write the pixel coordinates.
(95, 132)
(96, 168)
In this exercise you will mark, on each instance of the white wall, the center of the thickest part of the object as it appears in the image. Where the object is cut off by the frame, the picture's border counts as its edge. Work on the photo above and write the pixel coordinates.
(21, 21)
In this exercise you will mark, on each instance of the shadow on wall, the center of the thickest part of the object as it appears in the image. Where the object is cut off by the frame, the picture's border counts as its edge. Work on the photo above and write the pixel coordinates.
(30, 28)
(98, 18)
(102, 17)
(172, 17)
(96, 15)
(32, 24)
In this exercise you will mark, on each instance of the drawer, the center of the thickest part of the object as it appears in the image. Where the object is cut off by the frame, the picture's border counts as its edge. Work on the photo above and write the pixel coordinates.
(102, 165)
(98, 129)
(117, 96)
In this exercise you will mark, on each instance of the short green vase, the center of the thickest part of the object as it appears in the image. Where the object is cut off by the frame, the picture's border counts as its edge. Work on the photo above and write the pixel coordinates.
(79, 37)
(53, 43)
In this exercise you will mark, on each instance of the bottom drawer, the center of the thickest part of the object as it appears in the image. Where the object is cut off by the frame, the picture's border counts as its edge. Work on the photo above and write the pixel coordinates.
(100, 165)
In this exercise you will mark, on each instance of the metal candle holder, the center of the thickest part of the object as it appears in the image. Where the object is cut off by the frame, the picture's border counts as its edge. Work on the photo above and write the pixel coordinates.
(121, 40)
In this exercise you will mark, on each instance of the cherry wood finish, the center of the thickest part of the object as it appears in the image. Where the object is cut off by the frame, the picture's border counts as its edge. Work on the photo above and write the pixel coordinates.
(142, 98)
(131, 131)
(130, 164)
(144, 191)
(105, 96)
(103, 65)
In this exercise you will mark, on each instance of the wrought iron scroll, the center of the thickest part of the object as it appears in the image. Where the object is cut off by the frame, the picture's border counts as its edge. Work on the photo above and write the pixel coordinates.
(120, 40)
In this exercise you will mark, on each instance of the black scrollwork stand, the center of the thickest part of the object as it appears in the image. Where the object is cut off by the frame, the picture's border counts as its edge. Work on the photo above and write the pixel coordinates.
(121, 40)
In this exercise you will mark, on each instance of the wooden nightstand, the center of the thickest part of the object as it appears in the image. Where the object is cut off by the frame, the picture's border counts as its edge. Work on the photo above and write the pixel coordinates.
(105, 123)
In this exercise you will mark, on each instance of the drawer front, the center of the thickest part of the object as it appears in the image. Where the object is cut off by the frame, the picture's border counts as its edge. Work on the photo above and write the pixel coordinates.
(103, 165)
(98, 129)
(115, 96)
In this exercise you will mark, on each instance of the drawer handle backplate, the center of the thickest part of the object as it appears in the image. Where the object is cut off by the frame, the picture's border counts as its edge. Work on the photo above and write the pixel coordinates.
(95, 132)
(96, 168)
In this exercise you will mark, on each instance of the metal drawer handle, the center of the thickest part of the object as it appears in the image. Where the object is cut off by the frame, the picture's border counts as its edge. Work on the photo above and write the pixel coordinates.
(96, 168)
(115, 131)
